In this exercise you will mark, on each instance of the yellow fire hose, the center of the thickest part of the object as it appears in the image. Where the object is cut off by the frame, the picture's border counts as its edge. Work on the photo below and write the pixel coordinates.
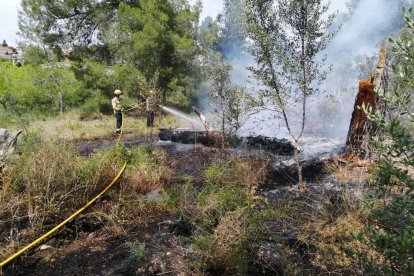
(57, 227)
(48, 234)
(134, 107)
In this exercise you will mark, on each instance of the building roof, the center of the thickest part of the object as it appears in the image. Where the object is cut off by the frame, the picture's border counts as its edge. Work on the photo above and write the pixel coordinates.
(4, 50)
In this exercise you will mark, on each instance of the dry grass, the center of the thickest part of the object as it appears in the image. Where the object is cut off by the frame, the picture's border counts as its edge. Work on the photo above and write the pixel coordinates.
(48, 182)
(228, 215)
(352, 169)
(148, 171)
(248, 171)
(69, 127)
(330, 234)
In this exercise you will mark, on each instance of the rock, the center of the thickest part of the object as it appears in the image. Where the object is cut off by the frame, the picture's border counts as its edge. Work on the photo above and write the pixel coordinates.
(155, 266)
(155, 195)
(7, 145)
(3, 135)
(45, 247)
(269, 260)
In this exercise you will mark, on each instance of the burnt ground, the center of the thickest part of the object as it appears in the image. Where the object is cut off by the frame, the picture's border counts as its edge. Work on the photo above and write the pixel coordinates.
(102, 253)
(158, 247)
(86, 247)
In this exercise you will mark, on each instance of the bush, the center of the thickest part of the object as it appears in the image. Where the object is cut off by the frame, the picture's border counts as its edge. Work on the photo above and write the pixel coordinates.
(51, 179)
(391, 228)
(46, 182)
(229, 218)
(94, 108)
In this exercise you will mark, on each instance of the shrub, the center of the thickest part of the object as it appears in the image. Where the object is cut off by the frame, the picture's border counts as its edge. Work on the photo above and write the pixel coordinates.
(391, 228)
(49, 181)
(95, 107)
(229, 218)
(53, 180)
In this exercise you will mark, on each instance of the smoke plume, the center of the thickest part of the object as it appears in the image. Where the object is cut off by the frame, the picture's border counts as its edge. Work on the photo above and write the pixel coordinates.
(363, 28)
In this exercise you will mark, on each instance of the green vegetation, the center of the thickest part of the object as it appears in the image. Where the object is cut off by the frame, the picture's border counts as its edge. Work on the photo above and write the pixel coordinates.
(49, 182)
(228, 101)
(213, 206)
(288, 37)
(391, 227)
(137, 249)
(136, 44)
(230, 217)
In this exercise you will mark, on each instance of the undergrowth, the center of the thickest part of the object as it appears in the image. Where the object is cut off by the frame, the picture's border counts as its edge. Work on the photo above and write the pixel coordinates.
(228, 218)
(47, 182)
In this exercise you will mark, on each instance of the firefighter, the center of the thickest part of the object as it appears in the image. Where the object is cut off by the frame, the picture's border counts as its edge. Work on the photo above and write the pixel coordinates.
(151, 102)
(117, 107)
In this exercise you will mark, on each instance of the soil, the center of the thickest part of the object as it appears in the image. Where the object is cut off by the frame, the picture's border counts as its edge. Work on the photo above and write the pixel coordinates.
(102, 253)
(161, 245)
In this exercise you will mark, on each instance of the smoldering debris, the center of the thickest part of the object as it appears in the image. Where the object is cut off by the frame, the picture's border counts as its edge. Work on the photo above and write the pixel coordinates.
(268, 144)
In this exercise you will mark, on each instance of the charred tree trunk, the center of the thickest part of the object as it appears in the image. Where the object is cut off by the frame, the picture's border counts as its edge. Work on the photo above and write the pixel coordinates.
(358, 142)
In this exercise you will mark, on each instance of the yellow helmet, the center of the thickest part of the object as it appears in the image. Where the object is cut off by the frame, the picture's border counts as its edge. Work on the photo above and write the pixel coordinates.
(118, 92)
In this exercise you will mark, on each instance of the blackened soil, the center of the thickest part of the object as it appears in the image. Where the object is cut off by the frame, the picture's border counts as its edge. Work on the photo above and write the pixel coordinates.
(145, 250)
(314, 170)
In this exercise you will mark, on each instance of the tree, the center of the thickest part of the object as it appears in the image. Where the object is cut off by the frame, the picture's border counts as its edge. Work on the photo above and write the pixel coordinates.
(287, 39)
(154, 36)
(21, 91)
(358, 143)
(66, 23)
(228, 101)
(232, 39)
(33, 54)
(161, 36)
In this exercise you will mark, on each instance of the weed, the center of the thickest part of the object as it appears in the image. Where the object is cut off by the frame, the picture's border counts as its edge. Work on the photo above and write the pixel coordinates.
(137, 249)
(229, 218)
(49, 181)
(247, 171)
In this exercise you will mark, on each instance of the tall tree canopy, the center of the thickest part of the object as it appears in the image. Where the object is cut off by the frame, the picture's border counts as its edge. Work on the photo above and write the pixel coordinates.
(233, 36)
(154, 36)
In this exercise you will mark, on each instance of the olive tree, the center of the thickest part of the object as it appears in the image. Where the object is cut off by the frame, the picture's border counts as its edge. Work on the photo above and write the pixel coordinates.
(287, 38)
(228, 101)
(390, 229)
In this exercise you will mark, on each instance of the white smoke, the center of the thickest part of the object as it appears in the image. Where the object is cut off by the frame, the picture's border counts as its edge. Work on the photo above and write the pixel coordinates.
(210, 8)
(371, 23)
(361, 33)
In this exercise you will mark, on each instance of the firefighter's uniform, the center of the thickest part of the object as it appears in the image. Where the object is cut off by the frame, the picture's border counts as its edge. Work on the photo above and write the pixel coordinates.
(117, 107)
(151, 108)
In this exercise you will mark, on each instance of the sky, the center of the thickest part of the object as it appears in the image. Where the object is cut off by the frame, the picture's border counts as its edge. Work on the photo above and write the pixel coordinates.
(8, 21)
(9, 28)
